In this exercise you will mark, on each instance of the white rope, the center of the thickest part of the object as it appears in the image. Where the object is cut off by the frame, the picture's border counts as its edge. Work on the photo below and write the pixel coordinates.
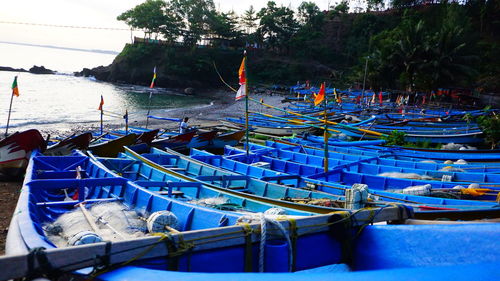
(263, 236)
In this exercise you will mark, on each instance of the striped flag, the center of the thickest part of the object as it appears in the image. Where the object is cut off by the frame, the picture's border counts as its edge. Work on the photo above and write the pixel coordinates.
(15, 89)
(154, 78)
(101, 104)
(242, 91)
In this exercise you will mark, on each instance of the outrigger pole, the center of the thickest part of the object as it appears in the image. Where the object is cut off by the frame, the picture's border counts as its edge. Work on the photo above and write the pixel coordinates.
(325, 133)
(246, 104)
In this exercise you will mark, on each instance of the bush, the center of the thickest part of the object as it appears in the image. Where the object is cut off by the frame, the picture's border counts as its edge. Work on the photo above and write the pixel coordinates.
(395, 138)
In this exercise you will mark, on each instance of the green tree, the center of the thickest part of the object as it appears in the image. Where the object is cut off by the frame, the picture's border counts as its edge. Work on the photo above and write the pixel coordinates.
(308, 13)
(410, 50)
(196, 15)
(277, 26)
(249, 20)
(224, 26)
(149, 16)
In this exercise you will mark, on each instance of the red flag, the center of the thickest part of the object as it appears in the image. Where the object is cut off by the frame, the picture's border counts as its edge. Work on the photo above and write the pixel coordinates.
(380, 98)
(321, 95)
(101, 103)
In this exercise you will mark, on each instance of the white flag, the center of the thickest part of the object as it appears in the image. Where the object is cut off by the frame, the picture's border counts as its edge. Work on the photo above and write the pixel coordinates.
(241, 92)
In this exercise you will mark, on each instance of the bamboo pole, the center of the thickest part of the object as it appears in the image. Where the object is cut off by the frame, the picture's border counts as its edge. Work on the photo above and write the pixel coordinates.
(325, 137)
(149, 108)
(8, 118)
(246, 105)
(319, 120)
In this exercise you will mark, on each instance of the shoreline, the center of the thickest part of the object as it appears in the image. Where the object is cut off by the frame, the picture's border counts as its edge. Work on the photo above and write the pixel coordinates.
(222, 105)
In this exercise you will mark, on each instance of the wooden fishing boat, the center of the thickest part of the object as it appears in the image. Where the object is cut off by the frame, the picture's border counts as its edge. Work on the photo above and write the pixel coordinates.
(177, 141)
(266, 127)
(396, 152)
(282, 171)
(167, 184)
(230, 138)
(15, 151)
(212, 242)
(55, 185)
(111, 148)
(66, 146)
(391, 158)
(441, 137)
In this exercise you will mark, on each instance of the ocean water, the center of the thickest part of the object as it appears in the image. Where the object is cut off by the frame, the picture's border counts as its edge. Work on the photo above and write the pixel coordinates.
(64, 102)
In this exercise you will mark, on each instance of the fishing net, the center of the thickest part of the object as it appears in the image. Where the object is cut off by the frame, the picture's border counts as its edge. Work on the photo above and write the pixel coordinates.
(398, 175)
(114, 222)
(421, 190)
(428, 161)
(451, 169)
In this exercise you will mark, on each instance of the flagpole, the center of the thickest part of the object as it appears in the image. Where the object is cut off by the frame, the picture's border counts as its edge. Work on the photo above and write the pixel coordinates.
(102, 123)
(149, 109)
(8, 118)
(126, 122)
(325, 135)
(246, 105)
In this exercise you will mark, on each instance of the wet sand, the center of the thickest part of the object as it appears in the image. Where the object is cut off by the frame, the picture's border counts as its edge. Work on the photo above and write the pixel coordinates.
(9, 191)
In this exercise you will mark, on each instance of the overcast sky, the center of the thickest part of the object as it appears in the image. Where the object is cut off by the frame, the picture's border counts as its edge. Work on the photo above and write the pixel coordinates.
(95, 13)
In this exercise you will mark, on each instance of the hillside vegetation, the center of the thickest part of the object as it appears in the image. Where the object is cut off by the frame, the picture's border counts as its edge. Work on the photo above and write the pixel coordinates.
(411, 45)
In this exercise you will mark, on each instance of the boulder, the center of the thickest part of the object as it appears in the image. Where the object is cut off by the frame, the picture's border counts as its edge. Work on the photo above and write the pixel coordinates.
(40, 70)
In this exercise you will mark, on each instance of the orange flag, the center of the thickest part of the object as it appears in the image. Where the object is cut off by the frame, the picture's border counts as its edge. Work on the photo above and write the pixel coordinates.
(241, 72)
(321, 95)
(101, 103)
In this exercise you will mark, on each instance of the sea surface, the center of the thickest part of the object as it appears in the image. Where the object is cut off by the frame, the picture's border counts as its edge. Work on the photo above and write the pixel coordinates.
(64, 102)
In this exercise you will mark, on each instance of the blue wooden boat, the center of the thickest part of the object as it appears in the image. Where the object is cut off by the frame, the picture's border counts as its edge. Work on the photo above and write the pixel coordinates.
(436, 137)
(51, 189)
(216, 178)
(276, 129)
(396, 152)
(337, 245)
(158, 180)
(349, 173)
(239, 162)
(302, 154)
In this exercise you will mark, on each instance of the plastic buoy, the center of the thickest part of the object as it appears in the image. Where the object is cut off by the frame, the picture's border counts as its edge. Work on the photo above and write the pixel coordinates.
(474, 186)
(461, 161)
(275, 211)
(448, 162)
(162, 221)
(84, 237)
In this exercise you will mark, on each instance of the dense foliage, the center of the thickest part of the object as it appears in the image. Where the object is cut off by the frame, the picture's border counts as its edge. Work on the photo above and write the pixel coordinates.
(411, 45)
